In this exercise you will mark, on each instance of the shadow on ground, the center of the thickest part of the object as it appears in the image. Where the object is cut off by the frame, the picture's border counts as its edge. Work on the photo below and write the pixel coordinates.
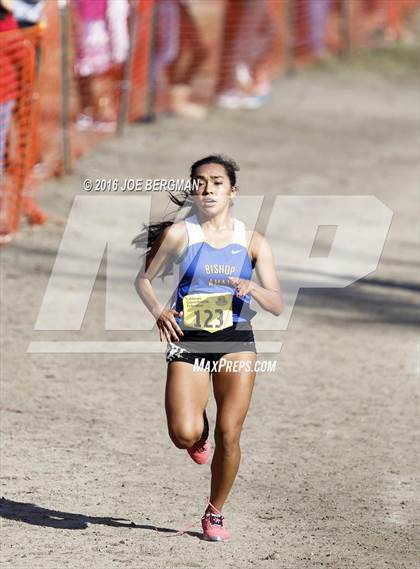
(39, 516)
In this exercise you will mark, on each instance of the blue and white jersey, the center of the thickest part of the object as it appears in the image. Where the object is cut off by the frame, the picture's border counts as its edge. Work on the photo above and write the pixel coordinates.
(201, 274)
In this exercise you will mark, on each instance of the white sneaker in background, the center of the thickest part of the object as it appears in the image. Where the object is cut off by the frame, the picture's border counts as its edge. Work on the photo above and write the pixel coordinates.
(237, 99)
(84, 122)
(243, 76)
(104, 126)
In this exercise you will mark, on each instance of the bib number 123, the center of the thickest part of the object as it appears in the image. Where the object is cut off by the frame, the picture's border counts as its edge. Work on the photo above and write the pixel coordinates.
(210, 312)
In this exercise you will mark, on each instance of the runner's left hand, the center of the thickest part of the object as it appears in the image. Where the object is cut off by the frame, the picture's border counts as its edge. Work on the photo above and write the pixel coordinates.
(242, 286)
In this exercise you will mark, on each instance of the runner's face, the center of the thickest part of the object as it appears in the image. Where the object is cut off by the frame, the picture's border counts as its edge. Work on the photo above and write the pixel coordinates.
(214, 190)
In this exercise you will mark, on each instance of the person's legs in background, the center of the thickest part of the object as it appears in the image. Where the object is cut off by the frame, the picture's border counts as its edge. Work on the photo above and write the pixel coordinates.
(166, 50)
(245, 80)
(318, 12)
(6, 110)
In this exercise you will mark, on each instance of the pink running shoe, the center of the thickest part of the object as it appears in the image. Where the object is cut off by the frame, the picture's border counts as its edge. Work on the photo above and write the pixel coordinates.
(200, 451)
(214, 525)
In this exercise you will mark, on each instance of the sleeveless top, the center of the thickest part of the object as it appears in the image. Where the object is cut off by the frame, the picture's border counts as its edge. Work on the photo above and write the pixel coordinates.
(201, 286)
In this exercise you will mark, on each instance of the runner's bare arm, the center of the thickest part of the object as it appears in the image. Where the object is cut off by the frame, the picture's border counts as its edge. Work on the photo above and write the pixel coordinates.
(268, 293)
(169, 243)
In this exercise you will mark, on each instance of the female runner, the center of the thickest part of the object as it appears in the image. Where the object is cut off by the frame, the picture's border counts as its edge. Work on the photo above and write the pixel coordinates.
(209, 321)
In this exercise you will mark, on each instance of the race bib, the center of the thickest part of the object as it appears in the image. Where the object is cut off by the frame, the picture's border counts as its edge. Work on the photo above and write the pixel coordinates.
(208, 311)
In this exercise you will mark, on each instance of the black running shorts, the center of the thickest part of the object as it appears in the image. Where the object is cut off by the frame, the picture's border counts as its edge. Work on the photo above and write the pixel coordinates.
(211, 345)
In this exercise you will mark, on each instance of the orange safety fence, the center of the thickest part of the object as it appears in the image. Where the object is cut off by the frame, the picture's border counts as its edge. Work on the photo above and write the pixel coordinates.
(95, 65)
(18, 122)
(322, 27)
(397, 13)
(139, 72)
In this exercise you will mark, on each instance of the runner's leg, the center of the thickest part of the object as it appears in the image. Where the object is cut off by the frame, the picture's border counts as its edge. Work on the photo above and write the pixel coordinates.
(232, 391)
(186, 396)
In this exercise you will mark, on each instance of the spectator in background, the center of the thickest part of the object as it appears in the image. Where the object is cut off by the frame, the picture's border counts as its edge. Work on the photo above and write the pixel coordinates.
(318, 12)
(191, 47)
(310, 27)
(166, 49)
(8, 79)
(192, 54)
(27, 12)
(102, 43)
(250, 35)
(12, 60)
(179, 52)
(167, 35)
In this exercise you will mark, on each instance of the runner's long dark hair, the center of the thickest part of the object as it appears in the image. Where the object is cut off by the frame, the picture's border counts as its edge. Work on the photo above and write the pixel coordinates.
(152, 232)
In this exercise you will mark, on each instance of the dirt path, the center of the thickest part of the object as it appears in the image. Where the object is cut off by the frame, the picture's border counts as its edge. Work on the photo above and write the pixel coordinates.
(328, 472)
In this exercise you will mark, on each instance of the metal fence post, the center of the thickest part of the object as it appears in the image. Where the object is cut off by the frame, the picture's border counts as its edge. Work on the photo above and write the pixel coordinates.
(128, 66)
(65, 85)
(290, 38)
(345, 18)
(150, 115)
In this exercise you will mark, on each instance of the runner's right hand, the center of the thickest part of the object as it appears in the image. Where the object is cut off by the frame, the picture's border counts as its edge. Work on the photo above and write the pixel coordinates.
(168, 326)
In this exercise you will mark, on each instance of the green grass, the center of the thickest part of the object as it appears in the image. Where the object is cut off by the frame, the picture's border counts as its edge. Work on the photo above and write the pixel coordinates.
(397, 60)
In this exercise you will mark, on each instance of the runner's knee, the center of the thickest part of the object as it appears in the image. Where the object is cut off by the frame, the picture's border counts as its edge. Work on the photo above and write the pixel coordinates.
(228, 439)
(184, 436)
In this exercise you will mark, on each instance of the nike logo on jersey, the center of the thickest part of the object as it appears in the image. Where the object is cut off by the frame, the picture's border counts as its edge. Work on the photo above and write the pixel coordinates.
(236, 251)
